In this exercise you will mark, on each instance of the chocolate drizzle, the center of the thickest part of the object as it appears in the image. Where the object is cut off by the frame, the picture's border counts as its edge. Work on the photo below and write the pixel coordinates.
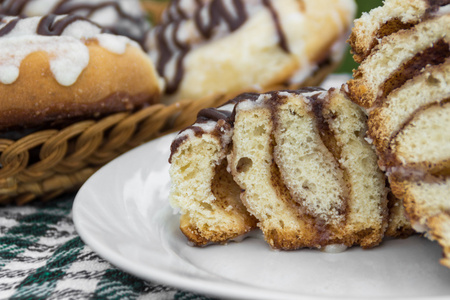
(87, 10)
(218, 13)
(8, 27)
(175, 11)
(207, 19)
(47, 26)
(324, 233)
(282, 38)
(12, 8)
(438, 3)
(228, 116)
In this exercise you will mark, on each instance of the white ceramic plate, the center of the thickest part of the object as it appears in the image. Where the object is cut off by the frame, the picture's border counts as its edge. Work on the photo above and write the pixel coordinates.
(122, 213)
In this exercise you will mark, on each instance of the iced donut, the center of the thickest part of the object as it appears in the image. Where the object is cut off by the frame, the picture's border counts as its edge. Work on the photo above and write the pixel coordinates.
(116, 16)
(60, 68)
(205, 48)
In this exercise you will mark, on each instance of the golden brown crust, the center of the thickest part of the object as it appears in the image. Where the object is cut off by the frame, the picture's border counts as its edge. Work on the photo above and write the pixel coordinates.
(360, 49)
(204, 236)
(398, 223)
(440, 230)
(430, 216)
(359, 92)
(110, 83)
(398, 58)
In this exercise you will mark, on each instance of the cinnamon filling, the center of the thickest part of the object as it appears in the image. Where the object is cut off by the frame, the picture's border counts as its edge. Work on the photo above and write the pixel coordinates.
(390, 27)
(391, 159)
(224, 189)
(330, 142)
(432, 56)
(317, 228)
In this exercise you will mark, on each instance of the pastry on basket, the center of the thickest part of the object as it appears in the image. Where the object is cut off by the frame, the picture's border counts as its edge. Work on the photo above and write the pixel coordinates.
(60, 69)
(404, 83)
(121, 17)
(302, 168)
(205, 48)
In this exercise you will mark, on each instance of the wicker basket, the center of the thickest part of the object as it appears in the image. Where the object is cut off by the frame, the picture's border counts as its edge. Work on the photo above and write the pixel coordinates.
(154, 8)
(47, 163)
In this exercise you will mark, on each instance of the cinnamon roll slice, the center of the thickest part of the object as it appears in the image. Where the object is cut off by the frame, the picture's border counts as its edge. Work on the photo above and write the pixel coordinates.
(306, 172)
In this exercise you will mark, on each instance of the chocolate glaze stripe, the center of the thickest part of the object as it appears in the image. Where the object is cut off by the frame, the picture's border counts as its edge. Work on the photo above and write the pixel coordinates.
(47, 25)
(437, 3)
(216, 114)
(434, 6)
(166, 53)
(12, 7)
(211, 114)
(17, 7)
(282, 38)
(175, 11)
(9, 25)
(218, 12)
(63, 7)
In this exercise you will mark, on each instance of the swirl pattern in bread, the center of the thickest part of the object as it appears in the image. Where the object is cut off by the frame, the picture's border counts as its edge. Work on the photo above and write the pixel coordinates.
(301, 164)
(404, 83)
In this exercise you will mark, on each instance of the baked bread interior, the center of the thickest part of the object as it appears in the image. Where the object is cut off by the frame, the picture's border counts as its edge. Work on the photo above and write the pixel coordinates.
(306, 171)
(403, 81)
(201, 188)
(300, 168)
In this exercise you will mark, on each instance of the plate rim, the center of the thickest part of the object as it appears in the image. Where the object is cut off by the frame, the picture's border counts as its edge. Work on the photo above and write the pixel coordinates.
(174, 280)
(193, 284)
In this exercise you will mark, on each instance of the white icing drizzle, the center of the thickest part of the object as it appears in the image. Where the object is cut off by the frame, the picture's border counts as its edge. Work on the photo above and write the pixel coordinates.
(123, 16)
(334, 248)
(443, 10)
(68, 53)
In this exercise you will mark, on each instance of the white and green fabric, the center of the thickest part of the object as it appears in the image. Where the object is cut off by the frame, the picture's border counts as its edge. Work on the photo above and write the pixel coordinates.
(42, 257)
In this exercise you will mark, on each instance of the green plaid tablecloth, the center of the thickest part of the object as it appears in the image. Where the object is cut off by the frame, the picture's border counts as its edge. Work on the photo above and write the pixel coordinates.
(42, 257)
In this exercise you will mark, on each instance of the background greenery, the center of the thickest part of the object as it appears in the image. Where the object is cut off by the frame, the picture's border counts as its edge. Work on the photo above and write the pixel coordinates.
(363, 6)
